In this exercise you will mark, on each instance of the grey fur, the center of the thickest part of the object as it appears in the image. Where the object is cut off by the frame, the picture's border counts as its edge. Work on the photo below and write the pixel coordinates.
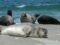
(34, 30)
(25, 30)
(6, 20)
(27, 18)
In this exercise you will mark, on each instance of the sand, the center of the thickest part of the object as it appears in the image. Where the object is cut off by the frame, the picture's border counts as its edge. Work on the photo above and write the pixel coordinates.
(53, 37)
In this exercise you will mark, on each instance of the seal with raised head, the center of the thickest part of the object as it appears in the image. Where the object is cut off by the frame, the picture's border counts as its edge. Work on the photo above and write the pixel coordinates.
(27, 18)
(7, 20)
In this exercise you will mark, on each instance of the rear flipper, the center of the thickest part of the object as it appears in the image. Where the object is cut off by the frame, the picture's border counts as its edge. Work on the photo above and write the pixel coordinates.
(42, 33)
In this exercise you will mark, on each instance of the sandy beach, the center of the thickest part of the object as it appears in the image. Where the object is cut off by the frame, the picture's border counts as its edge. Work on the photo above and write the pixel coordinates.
(53, 38)
(44, 13)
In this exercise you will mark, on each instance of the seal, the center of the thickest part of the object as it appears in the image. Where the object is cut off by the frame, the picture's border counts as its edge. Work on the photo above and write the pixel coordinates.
(7, 20)
(47, 20)
(44, 19)
(27, 18)
(25, 30)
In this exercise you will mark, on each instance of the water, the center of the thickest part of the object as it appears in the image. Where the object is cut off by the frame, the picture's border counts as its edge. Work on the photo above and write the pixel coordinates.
(51, 9)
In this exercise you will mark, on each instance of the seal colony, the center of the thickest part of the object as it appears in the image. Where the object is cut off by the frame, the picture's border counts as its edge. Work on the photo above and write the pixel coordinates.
(28, 27)
(26, 18)
(25, 30)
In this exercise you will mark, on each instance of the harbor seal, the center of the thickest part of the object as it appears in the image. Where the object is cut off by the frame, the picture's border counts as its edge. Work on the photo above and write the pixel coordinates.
(47, 20)
(27, 18)
(44, 19)
(7, 20)
(25, 30)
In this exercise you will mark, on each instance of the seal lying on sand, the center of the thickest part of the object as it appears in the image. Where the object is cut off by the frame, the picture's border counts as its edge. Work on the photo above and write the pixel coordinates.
(7, 20)
(46, 19)
(25, 30)
(27, 18)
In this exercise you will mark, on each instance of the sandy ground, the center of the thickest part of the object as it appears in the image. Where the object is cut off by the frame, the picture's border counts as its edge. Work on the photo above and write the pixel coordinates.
(53, 38)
